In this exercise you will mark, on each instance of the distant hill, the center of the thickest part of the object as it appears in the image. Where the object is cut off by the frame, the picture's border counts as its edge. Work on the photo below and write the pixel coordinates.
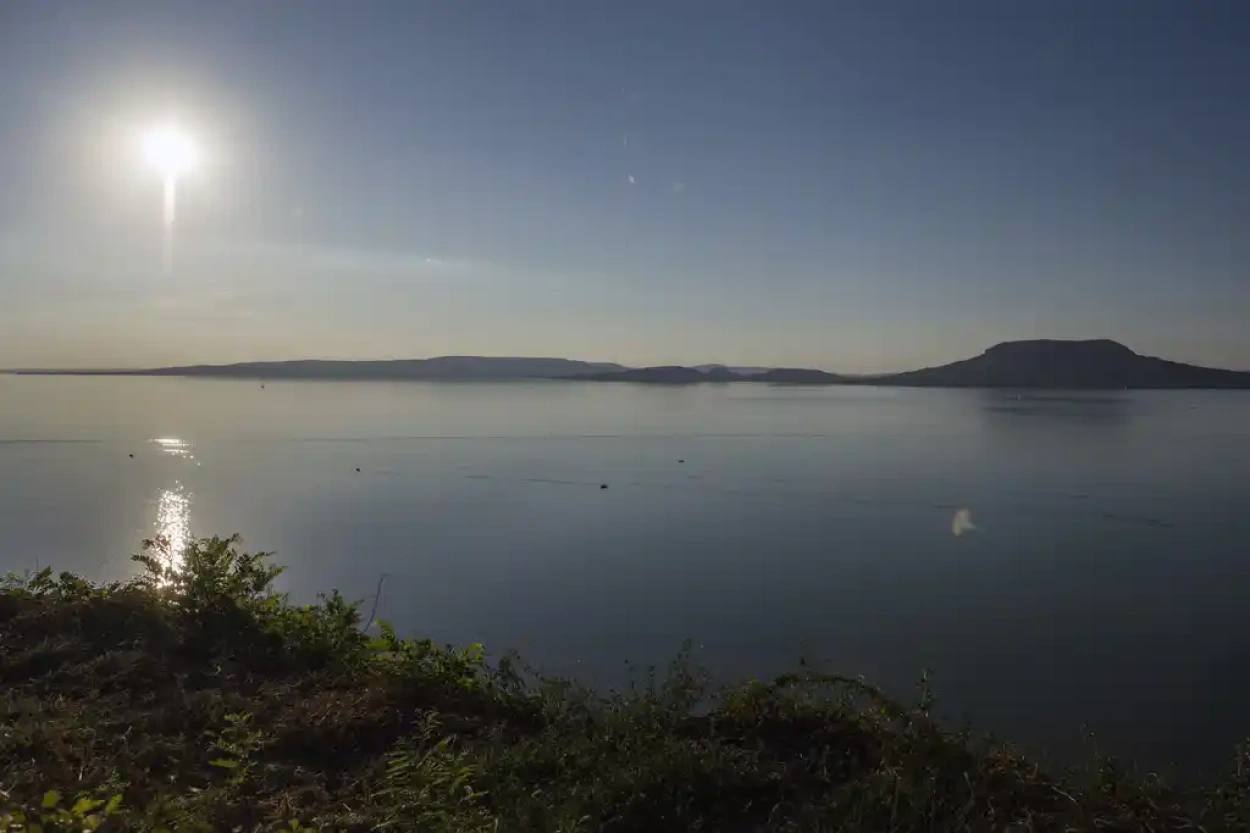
(666, 375)
(680, 375)
(797, 376)
(741, 371)
(440, 368)
(1096, 364)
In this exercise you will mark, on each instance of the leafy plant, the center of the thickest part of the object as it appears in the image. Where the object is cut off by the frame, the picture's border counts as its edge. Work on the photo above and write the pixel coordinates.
(53, 816)
(422, 659)
(235, 746)
(429, 784)
(207, 574)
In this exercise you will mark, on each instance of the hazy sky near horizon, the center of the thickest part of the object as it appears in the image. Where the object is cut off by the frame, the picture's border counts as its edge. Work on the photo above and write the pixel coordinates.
(858, 186)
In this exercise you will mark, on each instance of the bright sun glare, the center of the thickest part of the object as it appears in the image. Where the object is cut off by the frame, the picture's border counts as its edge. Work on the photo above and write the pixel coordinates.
(169, 150)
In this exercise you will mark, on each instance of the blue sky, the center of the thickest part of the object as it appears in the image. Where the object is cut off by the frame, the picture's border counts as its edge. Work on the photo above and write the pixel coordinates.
(858, 186)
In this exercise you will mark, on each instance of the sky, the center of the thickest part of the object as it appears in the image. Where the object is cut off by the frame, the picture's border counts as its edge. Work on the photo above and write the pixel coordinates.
(858, 186)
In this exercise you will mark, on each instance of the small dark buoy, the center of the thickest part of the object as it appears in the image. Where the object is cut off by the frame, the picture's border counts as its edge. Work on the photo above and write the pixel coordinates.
(132, 456)
(681, 461)
(603, 485)
(357, 468)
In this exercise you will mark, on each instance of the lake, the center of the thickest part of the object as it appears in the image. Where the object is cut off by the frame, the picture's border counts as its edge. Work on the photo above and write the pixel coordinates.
(1104, 587)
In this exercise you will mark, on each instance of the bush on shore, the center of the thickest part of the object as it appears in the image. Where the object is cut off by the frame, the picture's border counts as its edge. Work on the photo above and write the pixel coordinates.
(196, 698)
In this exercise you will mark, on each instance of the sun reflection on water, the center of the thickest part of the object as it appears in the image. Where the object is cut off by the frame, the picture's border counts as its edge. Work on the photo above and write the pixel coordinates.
(173, 507)
(175, 447)
(173, 523)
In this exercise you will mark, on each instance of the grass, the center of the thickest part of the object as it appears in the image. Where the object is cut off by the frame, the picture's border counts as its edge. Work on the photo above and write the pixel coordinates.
(196, 698)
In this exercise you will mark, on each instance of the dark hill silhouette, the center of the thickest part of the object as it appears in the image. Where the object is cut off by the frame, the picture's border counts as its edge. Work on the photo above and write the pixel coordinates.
(735, 369)
(439, 368)
(664, 375)
(1096, 364)
(796, 376)
(680, 375)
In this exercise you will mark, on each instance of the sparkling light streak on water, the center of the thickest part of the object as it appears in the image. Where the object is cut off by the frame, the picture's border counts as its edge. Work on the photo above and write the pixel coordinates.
(173, 507)
(173, 522)
(175, 447)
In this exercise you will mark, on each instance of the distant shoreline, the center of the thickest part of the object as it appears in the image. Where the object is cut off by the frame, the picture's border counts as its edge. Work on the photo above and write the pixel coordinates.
(860, 382)
(1098, 364)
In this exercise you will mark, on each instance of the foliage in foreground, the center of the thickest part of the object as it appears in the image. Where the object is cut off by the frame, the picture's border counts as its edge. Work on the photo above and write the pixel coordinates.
(196, 698)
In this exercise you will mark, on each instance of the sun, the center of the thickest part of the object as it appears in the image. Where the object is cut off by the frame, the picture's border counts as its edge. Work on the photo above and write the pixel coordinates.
(170, 151)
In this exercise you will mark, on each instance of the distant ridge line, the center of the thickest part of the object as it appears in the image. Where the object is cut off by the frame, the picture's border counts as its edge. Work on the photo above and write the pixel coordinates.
(1093, 364)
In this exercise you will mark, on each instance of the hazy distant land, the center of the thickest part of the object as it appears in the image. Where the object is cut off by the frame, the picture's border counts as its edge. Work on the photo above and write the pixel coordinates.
(433, 369)
(1099, 364)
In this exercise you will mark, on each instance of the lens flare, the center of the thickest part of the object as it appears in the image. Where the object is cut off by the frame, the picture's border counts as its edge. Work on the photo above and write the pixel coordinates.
(170, 151)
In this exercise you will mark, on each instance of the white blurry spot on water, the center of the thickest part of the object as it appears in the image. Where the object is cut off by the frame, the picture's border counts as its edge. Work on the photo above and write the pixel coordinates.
(962, 522)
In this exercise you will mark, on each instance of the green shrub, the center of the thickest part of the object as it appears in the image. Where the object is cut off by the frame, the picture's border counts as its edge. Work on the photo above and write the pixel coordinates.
(54, 816)
(196, 697)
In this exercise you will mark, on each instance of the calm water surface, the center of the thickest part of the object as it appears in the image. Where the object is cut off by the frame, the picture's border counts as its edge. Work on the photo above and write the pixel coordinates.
(1106, 586)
